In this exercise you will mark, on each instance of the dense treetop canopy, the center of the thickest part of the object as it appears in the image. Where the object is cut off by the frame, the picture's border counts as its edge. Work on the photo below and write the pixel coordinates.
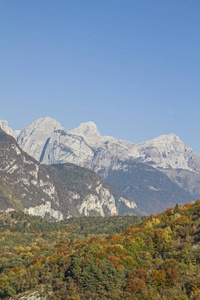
(157, 258)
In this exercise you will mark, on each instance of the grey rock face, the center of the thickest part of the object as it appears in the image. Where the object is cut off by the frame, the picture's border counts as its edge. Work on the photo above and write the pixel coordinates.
(33, 138)
(23, 181)
(49, 143)
(8, 130)
(88, 193)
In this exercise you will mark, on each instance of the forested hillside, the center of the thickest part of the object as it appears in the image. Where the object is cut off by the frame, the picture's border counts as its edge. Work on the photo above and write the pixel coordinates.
(158, 258)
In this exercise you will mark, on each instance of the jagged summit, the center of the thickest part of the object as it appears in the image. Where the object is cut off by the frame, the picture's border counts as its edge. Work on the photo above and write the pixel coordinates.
(4, 126)
(168, 151)
(44, 124)
(167, 138)
(168, 142)
(36, 134)
(90, 132)
(8, 130)
(87, 128)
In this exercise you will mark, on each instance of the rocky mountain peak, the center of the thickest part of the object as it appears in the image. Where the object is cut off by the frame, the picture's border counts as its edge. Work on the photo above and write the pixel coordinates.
(169, 151)
(90, 133)
(46, 124)
(4, 126)
(165, 138)
(86, 128)
(7, 129)
(36, 134)
(166, 143)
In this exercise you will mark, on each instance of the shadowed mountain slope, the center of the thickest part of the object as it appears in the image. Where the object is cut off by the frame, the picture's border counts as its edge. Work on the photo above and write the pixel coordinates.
(52, 192)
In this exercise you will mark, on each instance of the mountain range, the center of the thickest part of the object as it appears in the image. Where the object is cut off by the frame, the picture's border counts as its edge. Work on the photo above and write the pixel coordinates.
(55, 192)
(157, 174)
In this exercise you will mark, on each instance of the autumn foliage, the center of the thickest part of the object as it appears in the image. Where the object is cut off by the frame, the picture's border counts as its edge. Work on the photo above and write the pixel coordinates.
(158, 258)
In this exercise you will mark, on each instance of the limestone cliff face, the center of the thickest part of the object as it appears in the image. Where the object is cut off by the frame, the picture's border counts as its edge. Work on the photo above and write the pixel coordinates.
(87, 192)
(36, 295)
(103, 200)
(24, 183)
(102, 203)
(29, 137)
(49, 143)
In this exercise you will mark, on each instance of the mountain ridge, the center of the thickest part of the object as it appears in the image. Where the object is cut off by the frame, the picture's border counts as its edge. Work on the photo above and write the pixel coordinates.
(50, 143)
(49, 126)
(88, 130)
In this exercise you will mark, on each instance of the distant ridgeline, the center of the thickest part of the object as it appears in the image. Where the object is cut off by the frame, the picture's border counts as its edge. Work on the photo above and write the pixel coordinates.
(85, 258)
(156, 174)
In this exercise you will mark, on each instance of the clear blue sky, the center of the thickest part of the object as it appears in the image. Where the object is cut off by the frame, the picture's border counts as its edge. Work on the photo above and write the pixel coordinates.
(132, 67)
